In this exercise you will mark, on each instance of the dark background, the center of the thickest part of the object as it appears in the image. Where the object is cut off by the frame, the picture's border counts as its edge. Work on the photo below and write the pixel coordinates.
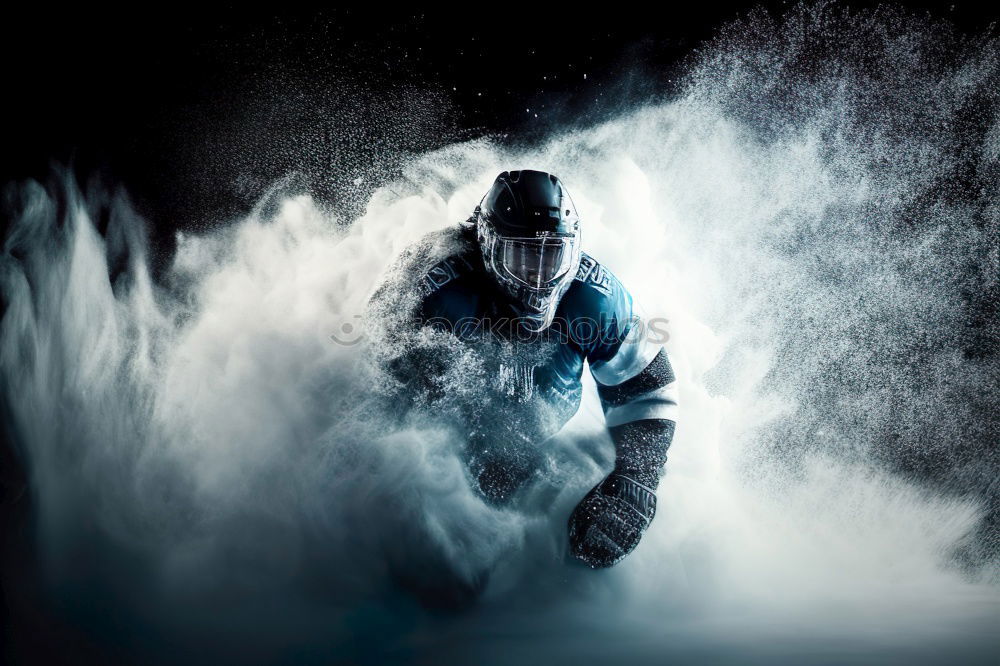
(196, 111)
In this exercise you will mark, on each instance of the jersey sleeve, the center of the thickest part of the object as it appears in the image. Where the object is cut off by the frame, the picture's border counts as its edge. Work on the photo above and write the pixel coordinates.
(634, 377)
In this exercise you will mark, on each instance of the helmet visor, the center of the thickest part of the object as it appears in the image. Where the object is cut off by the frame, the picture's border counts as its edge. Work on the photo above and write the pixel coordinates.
(538, 263)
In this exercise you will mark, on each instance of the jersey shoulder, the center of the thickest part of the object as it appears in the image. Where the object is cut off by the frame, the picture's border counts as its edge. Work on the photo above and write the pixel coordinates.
(447, 274)
(597, 310)
(450, 286)
(597, 293)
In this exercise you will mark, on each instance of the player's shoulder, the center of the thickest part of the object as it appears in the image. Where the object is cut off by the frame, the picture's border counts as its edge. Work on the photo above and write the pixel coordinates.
(595, 291)
(435, 263)
(451, 264)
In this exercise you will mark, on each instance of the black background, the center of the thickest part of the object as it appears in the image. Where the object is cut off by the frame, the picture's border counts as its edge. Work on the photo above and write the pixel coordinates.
(195, 111)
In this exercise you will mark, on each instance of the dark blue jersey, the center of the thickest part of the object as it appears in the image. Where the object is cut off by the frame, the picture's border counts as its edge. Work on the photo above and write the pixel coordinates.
(453, 349)
(595, 322)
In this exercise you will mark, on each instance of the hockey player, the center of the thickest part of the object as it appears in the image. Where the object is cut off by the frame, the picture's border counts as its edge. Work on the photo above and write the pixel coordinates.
(517, 273)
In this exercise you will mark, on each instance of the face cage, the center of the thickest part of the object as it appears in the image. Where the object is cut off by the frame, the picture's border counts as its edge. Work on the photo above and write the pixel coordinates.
(536, 305)
(536, 263)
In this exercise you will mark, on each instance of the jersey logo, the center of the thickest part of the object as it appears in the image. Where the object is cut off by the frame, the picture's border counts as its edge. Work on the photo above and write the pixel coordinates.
(517, 381)
(592, 272)
(442, 273)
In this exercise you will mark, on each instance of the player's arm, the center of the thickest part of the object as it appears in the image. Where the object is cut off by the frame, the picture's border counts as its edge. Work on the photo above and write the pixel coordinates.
(638, 392)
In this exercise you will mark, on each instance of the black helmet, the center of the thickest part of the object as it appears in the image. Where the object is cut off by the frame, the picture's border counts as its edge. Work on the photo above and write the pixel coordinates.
(529, 234)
